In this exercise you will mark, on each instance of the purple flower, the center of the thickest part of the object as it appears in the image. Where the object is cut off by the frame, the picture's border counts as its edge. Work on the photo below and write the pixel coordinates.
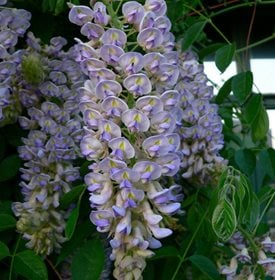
(138, 84)
(150, 38)
(149, 105)
(101, 74)
(92, 31)
(115, 37)
(135, 120)
(167, 74)
(156, 146)
(100, 15)
(122, 149)
(133, 12)
(124, 226)
(152, 61)
(162, 122)
(131, 62)
(163, 24)
(101, 196)
(91, 64)
(170, 99)
(149, 171)
(91, 147)
(157, 6)
(243, 256)
(80, 14)
(113, 106)
(111, 54)
(170, 164)
(91, 118)
(147, 21)
(107, 88)
(111, 165)
(108, 130)
(268, 245)
(102, 219)
(125, 177)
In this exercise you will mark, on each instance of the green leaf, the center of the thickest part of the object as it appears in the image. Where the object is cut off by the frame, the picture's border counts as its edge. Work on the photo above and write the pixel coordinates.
(260, 125)
(242, 85)
(4, 250)
(9, 167)
(59, 7)
(165, 252)
(224, 220)
(206, 266)
(253, 213)
(7, 222)
(252, 108)
(88, 261)
(81, 232)
(2, 146)
(224, 56)
(48, 5)
(246, 161)
(224, 92)
(192, 34)
(209, 50)
(30, 265)
(71, 223)
(71, 196)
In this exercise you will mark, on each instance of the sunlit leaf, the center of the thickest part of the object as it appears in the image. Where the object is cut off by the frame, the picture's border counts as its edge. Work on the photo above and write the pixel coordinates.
(224, 220)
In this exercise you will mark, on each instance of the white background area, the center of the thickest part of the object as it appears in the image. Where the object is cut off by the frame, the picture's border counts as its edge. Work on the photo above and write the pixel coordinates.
(263, 76)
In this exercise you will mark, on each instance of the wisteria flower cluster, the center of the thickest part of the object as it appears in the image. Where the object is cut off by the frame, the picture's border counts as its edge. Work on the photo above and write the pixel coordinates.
(52, 143)
(242, 264)
(130, 107)
(14, 23)
(147, 114)
(201, 129)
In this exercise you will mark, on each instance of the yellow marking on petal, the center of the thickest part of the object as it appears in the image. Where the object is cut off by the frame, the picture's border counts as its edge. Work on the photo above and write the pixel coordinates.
(139, 81)
(137, 118)
(125, 175)
(122, 146)
(149, 168)
(114, 103)
(107, 128)
(106, 86)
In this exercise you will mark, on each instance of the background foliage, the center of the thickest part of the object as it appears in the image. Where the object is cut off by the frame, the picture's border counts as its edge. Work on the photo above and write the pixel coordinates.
(239, 201)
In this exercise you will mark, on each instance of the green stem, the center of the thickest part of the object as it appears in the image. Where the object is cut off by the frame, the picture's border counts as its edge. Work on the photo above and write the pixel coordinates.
(12, 257)
(256, 43)
(225, 10)
(209, 21)
(250, 240)
(114, 18)
(54, 269)
(264, 212)
(182, 258)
